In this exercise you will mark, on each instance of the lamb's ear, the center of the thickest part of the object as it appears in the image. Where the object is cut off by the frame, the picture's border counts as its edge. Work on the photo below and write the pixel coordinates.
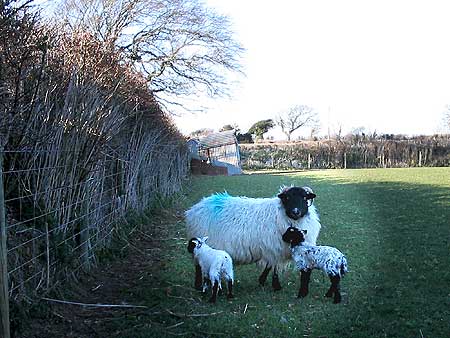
(305, 231)
(204, 239)
(310, 196)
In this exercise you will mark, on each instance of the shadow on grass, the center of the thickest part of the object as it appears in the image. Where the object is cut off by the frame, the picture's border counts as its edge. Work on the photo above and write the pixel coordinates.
(397, 238)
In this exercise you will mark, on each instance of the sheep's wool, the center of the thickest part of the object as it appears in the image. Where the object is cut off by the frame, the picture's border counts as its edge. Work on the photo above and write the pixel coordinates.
(326, 258)
(215, 264)
(249, 229)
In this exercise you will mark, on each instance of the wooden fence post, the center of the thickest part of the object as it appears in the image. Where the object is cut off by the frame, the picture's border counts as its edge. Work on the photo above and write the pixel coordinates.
(4, 299)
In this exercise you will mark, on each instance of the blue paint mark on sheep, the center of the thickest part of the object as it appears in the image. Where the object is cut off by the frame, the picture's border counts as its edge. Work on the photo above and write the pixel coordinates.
(217, 201)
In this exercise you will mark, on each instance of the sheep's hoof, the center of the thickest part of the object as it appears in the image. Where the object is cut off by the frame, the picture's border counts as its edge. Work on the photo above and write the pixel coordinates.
(212, 300)
(230, 296)
(329, 294)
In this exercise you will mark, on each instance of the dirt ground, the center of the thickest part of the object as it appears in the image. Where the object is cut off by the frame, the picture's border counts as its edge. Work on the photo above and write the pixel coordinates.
(117, 283)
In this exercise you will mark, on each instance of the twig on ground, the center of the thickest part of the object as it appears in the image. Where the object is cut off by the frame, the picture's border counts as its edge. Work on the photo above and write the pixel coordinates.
(95, 305)
(184, 315)
(175, 325)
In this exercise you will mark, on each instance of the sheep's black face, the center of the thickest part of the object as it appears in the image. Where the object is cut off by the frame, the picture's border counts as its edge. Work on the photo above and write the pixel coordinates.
(192, 244)
(296, 201)
(294, 236)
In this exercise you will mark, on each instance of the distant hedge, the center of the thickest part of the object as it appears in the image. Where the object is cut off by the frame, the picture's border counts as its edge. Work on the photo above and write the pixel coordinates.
(356, 152)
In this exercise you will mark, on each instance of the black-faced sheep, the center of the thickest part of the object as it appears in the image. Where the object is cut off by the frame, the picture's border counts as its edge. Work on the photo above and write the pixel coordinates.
(250, 229)
(307, 257)
(215, 265)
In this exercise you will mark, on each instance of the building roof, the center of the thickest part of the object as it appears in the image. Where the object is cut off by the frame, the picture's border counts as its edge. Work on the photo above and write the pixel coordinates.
(217, 139)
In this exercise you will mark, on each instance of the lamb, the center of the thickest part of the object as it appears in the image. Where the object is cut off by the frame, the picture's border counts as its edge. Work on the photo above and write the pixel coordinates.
(215, 265)
(307, 257)
(250, 229)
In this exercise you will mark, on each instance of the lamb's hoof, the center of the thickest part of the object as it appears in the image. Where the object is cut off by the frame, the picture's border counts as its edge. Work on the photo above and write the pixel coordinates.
(329, 294)
(302, 293)
(337, 299)
(198, 287)
(276, 287)
(230, 296)
(212, 300)
(261, 281)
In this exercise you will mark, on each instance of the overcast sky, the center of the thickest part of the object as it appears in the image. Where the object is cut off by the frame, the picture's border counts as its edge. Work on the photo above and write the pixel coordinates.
(383, 65)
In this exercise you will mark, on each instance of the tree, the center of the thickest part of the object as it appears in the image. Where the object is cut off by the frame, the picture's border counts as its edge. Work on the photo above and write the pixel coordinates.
(261, 127)
(201, 132)
(181, 46)
(446, 121)
(244, 138)
(295, 118)
(228, 127)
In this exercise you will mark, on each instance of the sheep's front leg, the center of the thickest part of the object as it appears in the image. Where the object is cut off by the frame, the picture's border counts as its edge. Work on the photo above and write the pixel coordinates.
(334, 289)
(304, 283)
(214, 292)
(275, 281)
(198, 277)
(262, 279)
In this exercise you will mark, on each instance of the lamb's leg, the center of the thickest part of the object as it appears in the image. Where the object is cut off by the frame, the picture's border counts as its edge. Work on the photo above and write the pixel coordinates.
(198, 277)
(262, 279)
(214, 292)
(275, 281)
(230, 289)
(304, 283)
(206, 284)
(334, 289)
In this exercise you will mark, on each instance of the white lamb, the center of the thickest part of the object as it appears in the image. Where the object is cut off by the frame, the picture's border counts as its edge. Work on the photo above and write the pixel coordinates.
(215, 265)
(250, 229)
(307, 257)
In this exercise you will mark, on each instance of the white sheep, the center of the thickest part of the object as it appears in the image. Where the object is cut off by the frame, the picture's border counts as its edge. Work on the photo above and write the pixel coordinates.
(215, 265)
(250, 229)
(307, 257)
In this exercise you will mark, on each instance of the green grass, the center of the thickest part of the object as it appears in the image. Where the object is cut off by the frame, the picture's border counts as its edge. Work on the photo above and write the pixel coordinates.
(394, 227)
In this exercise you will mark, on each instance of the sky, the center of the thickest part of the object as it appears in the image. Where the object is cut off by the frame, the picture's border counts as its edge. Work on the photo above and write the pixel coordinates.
(383, 65)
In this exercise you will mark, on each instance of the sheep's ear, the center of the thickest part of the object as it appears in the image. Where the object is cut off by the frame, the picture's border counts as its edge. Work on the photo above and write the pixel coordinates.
(204, 239)
(309, 193)
(305, 231)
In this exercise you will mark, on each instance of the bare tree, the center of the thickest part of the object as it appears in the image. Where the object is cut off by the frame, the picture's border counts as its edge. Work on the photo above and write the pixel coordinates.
(295, 118)
(446, 121)
(181, 46)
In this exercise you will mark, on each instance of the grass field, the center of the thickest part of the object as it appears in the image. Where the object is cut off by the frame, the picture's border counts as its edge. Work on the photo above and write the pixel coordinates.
(393, 225)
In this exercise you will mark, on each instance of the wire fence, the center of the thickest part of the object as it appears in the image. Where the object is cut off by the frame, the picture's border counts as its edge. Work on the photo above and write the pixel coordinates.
(57, 216)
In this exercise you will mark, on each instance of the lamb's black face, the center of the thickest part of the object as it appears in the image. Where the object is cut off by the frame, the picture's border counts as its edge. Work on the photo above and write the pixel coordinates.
(294, 236)
(296, 201)
(192, 244)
